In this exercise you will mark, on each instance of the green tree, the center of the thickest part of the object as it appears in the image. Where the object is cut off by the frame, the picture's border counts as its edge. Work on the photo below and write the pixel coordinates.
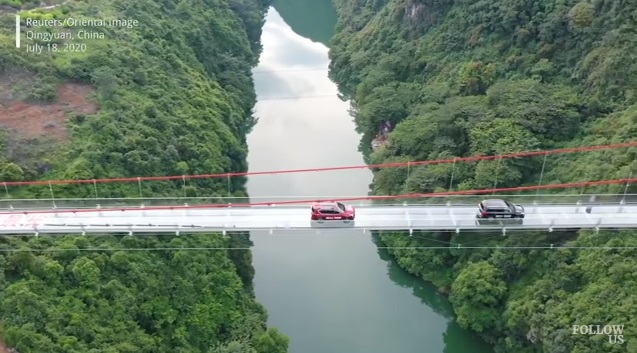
(476, 77)
(169, 101)
(478, 292)
(11, 172)
(498, 77)
(581, 15)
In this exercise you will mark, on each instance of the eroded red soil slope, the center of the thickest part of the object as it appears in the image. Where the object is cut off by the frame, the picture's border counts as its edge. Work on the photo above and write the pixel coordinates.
(35, 119)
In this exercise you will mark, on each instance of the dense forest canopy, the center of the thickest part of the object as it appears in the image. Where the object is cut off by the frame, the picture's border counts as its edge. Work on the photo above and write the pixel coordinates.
(460, 78)
(173, 95)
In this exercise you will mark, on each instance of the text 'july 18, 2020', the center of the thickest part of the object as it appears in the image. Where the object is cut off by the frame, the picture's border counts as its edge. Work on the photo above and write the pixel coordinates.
(46, 35)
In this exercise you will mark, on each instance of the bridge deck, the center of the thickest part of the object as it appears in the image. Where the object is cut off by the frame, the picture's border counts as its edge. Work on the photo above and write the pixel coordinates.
(188, 220)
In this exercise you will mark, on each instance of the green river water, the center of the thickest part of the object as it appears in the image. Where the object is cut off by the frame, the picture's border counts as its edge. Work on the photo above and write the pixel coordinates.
(333, 291)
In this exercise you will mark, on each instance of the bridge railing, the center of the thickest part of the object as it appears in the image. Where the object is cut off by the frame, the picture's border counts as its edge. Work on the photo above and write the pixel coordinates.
(304, 201)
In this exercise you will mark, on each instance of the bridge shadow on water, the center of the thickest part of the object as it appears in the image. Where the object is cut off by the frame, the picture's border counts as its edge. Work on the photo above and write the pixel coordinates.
(455, 337)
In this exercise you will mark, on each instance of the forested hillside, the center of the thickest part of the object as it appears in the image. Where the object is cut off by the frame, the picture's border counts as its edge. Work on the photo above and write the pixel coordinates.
(461, 78)
(173, 95)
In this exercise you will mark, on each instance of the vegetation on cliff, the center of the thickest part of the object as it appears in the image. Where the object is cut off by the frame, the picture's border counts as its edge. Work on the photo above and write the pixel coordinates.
(172, 95)
(485, 77)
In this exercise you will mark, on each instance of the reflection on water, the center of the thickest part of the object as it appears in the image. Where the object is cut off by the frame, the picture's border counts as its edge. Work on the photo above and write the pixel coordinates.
(312, 19)
(425, 291)
(327, 289)
(455, 338)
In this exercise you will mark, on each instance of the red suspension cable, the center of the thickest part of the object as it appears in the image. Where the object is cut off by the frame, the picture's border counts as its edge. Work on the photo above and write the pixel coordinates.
(389, 197)
(371, 166)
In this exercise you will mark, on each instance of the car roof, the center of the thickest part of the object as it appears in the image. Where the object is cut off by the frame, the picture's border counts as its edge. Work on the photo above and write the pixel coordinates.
(325, 204)
(495, 203)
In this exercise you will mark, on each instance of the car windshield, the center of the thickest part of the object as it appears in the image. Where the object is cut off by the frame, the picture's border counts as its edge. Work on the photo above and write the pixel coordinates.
(341, 206)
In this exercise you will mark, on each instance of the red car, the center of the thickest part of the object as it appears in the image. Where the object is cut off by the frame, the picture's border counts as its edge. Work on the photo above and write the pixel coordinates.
(332, 211)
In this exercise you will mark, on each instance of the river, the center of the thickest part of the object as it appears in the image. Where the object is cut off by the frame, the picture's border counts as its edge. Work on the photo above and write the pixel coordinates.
(333, 292)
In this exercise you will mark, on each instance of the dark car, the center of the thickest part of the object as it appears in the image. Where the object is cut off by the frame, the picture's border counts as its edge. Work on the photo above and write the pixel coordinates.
(498, 208)
(332, 211)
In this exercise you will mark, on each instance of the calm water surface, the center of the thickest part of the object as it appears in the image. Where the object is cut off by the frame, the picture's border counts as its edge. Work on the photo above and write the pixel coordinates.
(333, 292)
